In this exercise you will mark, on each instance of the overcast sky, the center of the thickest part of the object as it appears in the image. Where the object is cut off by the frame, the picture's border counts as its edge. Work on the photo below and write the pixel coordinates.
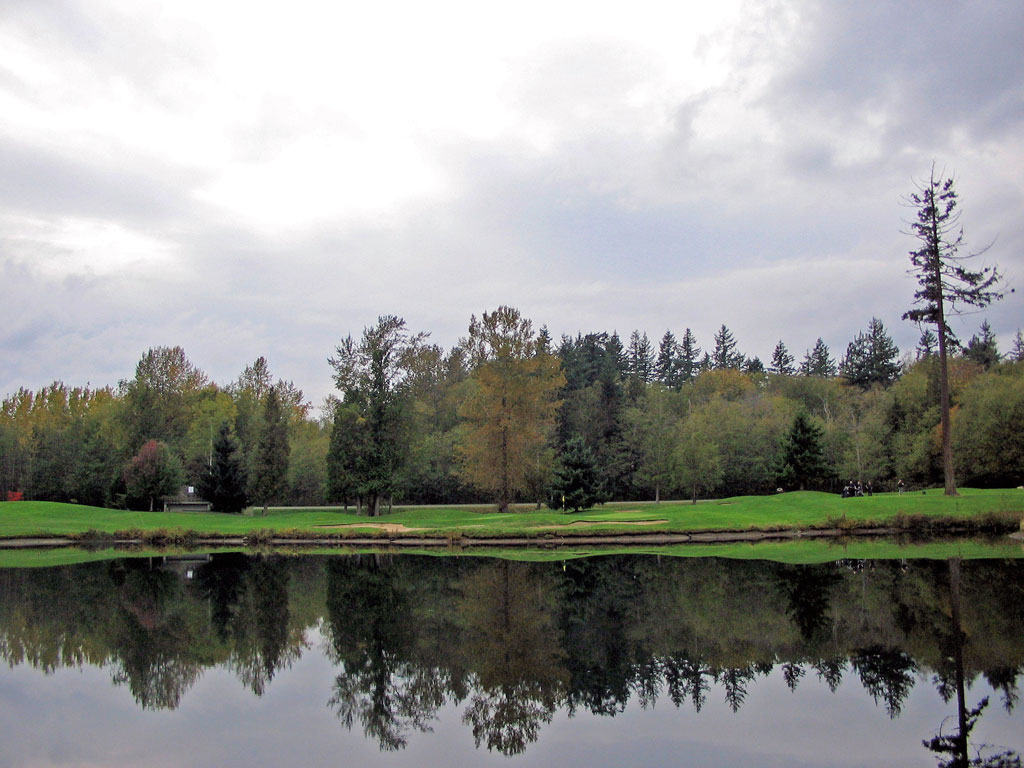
(247, 179)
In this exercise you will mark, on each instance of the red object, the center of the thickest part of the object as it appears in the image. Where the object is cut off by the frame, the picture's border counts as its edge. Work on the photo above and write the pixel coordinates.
(15, 496)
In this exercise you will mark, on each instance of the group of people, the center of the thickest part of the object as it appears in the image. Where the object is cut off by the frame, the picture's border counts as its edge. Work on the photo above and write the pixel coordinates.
(856, 488)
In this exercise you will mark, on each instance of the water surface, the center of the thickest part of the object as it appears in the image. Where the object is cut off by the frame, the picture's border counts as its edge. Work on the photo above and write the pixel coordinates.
(618, 660)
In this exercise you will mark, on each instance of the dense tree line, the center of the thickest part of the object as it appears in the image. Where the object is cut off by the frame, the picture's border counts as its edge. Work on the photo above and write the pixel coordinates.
(510, 415)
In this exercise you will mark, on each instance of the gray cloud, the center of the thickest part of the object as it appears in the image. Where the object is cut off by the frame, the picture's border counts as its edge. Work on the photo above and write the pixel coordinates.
(124, 189)
(769, 201)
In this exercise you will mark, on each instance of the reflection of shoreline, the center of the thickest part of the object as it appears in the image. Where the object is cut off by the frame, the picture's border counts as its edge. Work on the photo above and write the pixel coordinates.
(547, 540)
(513, 641)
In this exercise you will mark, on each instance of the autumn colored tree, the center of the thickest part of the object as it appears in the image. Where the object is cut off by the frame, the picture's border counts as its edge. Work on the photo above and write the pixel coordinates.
(153, 472)
(511, 406)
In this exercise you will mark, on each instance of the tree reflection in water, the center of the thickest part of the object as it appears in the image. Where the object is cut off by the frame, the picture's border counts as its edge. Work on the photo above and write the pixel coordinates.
(511, 643)
(956, 744)
(371, 630)
(516, 652)
(154, 631)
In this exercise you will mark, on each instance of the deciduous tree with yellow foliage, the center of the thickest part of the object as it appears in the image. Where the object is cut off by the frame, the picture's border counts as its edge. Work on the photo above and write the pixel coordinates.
(512, 402)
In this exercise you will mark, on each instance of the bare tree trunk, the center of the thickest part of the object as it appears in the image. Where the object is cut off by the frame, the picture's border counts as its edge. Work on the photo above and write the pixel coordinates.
(505, 492)
(947, 440)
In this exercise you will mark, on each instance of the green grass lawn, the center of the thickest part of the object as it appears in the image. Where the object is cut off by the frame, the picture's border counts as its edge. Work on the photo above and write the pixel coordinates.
(804, 509)
(790, 551)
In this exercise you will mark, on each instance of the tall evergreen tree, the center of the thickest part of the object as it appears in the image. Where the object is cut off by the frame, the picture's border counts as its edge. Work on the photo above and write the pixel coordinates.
(343, 454)
(753, 365)
(926, 344)
(945, 285)
(270, 462)
(641, 357)
(871, 358)
(577, 485)
(725, 354)
(1017, 353)
(689, 357)
(818, 361)
(983, 349)
(782, 361)
(617, 352)
(803, 458)
(223, 484)
(667, 365)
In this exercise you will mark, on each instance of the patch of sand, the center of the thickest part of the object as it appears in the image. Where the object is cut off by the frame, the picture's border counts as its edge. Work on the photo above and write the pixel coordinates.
(387, 527)
(578, 523)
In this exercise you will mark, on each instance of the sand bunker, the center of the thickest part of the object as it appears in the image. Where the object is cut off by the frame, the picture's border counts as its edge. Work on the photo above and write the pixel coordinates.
(578, 523)
(386, 527)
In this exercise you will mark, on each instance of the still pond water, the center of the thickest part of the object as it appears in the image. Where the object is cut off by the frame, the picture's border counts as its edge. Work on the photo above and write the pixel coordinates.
(430, 661)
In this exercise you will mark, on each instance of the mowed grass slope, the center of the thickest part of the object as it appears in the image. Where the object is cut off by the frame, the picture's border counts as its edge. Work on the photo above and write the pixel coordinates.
(805, 509)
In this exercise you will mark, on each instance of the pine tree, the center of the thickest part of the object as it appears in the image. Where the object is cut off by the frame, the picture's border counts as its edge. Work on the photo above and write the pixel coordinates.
(576, 486)
(1017, 355)
(803, 460)
(926, 344)
(818, 361)
(544, 339)
(667, 365)
(641, 357)
(270, 463)
(782, 361)
(871, 358)
(753, 365)
(945, 286)
(223, 484)
(618, 353)
(725, 354)
(689, 357)
(984, 349)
